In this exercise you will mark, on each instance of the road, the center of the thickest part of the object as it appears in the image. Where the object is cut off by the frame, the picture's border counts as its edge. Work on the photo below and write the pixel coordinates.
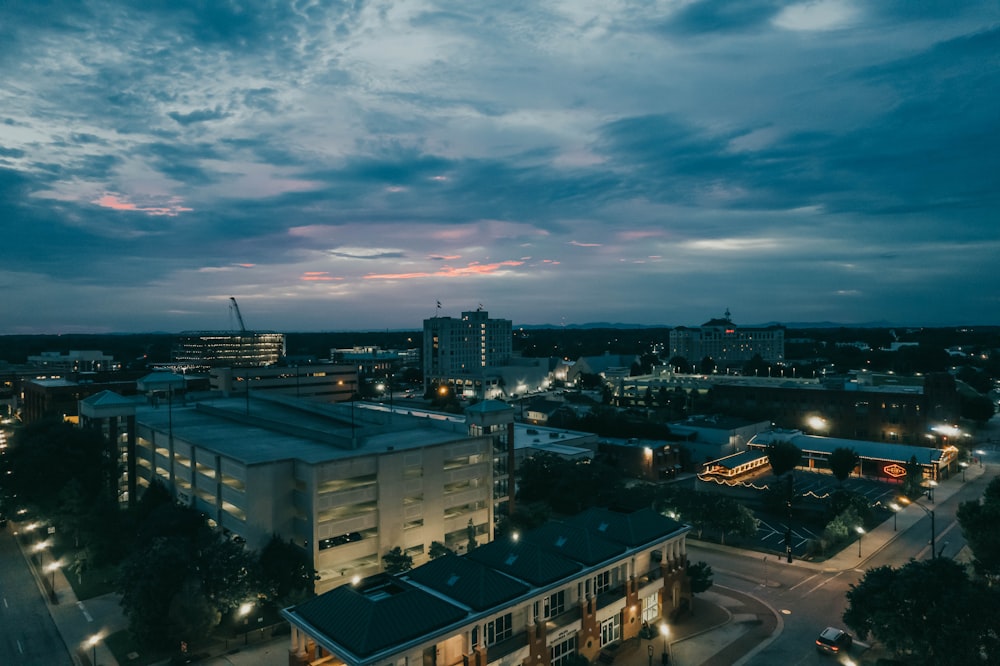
(27, 633)
(810, 598)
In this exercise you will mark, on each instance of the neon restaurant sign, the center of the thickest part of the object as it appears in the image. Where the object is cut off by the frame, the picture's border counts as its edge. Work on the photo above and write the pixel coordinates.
(894, 470)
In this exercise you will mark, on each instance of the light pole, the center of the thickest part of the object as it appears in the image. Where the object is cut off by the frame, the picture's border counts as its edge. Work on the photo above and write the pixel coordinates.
(895, 510)
(929, 512)
(861, 533)
(963, 465)
(51, 568)
(665, 631)
(92, 643)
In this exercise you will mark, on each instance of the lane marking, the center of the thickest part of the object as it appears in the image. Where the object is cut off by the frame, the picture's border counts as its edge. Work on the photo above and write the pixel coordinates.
(20, 648)
(83, 610)
(822, 583)
(802, 582)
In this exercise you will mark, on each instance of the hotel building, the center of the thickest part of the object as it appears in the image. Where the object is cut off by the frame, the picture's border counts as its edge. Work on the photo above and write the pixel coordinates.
(467, 353)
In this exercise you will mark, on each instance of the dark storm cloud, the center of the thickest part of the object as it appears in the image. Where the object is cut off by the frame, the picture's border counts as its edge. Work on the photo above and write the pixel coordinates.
(712, 16)
(200, 116)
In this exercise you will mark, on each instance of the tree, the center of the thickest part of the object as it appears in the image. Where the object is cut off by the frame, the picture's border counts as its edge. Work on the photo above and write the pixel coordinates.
(700, 576)
(842, 462)
(979, 519)
(928, 612)
(911, 482)
(978, 408)
(286, 575)
(470, 535)
(783, 457)
(396, 561)
(438, 549)
(53, 461)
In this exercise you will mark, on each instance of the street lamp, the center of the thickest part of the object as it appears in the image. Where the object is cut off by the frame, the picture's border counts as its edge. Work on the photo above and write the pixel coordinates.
(929, 512)
(665, 631)
(243, 611)
(52, 568)
(895, 510)
(861, 533)
(92, 643)
(963, 465)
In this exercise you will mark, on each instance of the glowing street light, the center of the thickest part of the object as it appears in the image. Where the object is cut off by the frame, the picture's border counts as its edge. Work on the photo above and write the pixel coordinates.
(92, 644)
(895, 510)
(52, 568)
(861, 533)
(665, 632)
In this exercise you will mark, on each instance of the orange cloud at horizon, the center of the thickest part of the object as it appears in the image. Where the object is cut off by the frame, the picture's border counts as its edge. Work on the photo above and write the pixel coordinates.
(318, 276)
(474, 268)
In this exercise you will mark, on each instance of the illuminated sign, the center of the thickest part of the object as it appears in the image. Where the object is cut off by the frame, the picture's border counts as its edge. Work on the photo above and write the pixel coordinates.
(894, 470)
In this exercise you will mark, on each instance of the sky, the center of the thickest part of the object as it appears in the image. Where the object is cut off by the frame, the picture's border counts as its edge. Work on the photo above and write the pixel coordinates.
(351, 165)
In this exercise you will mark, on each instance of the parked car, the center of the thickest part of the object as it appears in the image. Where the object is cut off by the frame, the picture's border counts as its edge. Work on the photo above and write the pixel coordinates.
(833, 641)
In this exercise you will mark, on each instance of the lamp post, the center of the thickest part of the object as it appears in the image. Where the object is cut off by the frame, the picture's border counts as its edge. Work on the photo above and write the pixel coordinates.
(52, 568)
(665, 631)
(92, 644)
(244, 611)
(929, 512)
(963, 465)
(895, 510)
(861, 533)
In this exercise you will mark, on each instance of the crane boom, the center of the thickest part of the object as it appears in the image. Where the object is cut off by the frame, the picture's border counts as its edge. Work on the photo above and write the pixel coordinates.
(239, 317)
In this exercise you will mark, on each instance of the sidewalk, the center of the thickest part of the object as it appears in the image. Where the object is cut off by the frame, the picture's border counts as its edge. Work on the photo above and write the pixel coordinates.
(77, 622)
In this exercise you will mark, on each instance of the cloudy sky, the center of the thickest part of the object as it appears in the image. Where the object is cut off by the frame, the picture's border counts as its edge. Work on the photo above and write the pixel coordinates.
(347, 165)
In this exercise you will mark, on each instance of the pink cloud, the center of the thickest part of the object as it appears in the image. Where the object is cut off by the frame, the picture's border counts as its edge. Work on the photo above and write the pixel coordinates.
(117, 202)
(318, 276)
(640, 235)
(474, 268)
(579, 244)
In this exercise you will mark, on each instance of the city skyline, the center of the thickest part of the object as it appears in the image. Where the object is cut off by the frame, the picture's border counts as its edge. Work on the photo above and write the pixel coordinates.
(367, 166)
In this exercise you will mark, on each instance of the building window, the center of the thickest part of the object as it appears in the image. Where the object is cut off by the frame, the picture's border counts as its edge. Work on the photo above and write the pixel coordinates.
(602, 582)
(555, 604)
(560, 653)
(650, 608)
(611, 630)
(499, 629)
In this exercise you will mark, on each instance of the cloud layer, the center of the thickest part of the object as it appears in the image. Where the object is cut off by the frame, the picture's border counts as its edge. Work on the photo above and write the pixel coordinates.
(347, 165)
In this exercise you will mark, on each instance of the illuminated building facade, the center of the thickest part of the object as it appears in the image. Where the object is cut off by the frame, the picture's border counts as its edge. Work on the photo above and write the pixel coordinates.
(565, 590)
(214, 349)
(345, 484)
(725, 342)
(466, 352)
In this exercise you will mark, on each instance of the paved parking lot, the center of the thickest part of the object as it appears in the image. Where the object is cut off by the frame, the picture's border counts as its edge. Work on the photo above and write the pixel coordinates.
(805, 526)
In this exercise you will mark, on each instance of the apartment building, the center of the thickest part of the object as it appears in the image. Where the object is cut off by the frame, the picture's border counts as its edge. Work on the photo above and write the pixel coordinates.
(345, 484)
(568, 588)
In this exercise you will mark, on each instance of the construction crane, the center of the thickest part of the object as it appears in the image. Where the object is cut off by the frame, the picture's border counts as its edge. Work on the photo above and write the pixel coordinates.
(236, 308)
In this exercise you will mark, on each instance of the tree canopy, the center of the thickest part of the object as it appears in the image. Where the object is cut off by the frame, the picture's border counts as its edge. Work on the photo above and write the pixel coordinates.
(783, 457)
(842, 462)
(979, 520)
(927, 612)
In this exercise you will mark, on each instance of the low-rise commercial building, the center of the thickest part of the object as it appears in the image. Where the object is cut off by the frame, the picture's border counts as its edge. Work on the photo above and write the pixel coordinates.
(568, 588)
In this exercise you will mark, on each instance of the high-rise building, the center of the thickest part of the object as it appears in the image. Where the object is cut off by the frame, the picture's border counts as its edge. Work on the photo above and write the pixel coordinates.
(467, 352)
(725, 342)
